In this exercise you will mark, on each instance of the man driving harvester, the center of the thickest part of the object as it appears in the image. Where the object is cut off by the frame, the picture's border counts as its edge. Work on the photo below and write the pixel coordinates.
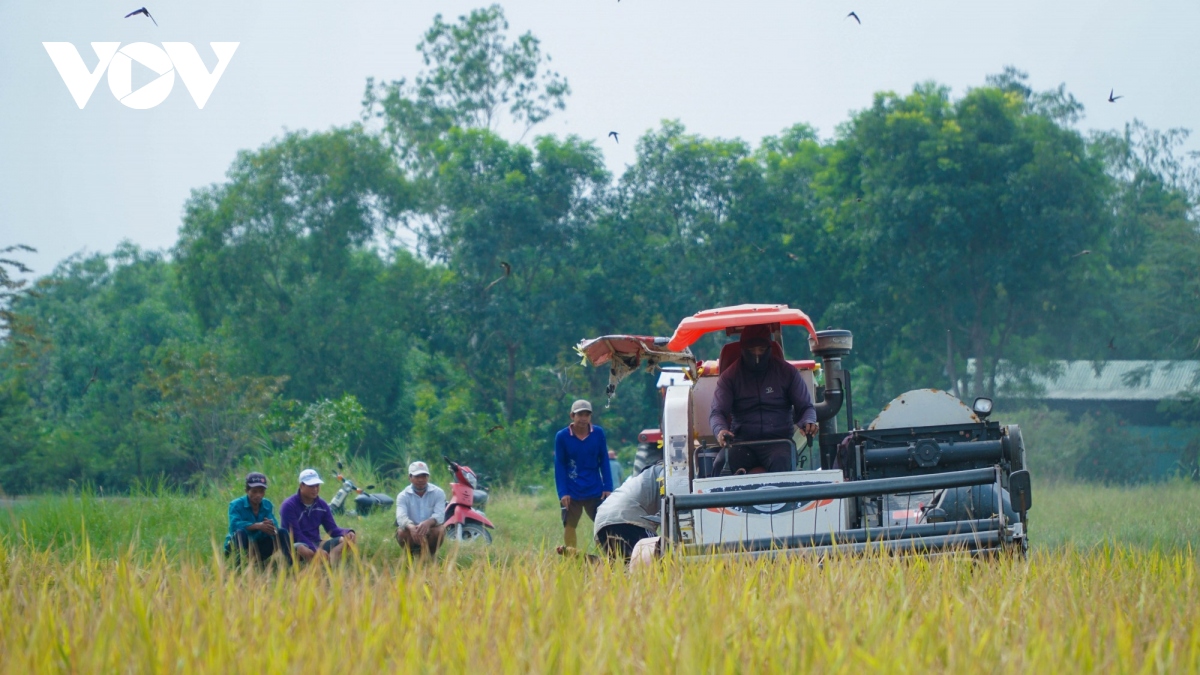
(759, 397)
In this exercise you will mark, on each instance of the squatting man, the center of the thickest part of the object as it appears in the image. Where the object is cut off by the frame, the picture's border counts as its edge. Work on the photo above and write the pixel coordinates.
(420, 513)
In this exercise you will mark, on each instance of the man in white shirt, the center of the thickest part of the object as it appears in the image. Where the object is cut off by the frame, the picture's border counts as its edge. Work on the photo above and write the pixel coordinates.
(624, 518)
(420, 512)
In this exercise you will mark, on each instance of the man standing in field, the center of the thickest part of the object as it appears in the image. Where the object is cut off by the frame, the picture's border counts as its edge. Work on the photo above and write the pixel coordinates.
(253, 529)
(420, 512)
(614, 467)
(581, 469)
(305, 513)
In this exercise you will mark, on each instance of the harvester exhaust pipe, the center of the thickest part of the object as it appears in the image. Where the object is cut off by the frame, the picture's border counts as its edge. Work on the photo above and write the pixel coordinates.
(830, 346)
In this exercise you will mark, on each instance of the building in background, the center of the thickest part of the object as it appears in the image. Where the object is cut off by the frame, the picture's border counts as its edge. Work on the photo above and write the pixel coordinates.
(1154, 401)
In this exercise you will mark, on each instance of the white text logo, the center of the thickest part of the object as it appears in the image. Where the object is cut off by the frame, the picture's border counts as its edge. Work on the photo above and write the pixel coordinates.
(171, 58)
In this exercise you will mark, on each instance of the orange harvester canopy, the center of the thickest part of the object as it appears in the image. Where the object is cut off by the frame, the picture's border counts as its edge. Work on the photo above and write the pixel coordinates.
(723, 318)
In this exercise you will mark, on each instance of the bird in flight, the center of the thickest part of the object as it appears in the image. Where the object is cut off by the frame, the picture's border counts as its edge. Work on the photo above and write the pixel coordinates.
(614, 136)
(1113, 99)
(852, 14)
(142, 11)
(495, 428)
(95, 371)
(1111, 346)
(507, 272)
(1083, 252)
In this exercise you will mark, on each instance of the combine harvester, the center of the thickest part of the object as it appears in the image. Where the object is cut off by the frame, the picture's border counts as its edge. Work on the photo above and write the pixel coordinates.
(929, 475)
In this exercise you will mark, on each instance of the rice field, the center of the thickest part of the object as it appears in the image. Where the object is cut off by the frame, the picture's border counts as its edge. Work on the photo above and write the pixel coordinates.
(70, 602)
(1107, 611)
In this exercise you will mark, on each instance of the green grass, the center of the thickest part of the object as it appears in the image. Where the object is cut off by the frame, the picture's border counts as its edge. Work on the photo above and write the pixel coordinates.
(1165, 515)
(185, 527)
(189, 527)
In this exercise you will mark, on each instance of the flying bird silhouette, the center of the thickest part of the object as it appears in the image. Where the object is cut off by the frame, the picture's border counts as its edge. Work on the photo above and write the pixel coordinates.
(1083, 252)
(507, 273)
(142, 11)
(1113, 99)
(497, 427)
(852, 14)
(614, 136)
(793, 256)
(89, 382)
(1111, 346)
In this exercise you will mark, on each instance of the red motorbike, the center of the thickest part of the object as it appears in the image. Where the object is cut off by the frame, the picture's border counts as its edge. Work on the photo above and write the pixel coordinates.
(463, 522)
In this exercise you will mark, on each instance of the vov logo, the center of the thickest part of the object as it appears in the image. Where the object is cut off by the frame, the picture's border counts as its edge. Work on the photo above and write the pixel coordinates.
(171, 58)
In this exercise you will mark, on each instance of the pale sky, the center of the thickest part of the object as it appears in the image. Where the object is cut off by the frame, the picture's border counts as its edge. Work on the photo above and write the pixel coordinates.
(82, 180)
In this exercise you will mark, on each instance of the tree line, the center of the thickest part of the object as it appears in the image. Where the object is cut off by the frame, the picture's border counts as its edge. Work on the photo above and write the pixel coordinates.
(426, 274)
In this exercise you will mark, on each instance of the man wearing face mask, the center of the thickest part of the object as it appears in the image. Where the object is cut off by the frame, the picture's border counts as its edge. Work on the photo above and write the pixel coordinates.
(760, 397)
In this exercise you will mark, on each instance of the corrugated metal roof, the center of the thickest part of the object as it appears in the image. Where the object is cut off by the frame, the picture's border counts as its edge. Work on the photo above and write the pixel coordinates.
(1108, 381)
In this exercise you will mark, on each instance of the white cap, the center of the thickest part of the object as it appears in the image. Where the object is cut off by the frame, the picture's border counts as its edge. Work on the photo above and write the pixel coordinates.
(310, 477)
(418, 469)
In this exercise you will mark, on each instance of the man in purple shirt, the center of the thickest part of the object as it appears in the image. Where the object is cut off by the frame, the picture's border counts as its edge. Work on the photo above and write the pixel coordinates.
(760, 397)
(304, 514)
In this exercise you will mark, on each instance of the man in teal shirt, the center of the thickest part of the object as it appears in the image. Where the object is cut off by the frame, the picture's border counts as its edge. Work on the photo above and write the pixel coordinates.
(253, 529)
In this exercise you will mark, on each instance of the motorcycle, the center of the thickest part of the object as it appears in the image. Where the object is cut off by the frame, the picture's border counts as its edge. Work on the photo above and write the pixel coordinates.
(464, 522)
(364, 503)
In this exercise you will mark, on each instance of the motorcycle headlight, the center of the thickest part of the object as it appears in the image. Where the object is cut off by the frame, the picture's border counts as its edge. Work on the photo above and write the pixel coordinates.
(470, 476)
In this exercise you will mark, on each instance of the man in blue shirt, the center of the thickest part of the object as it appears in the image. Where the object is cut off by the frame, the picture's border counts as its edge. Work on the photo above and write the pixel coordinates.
(581, 469)
(253, 529)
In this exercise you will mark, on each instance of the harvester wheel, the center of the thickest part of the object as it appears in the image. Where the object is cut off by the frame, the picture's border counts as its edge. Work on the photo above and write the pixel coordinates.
(1014, 447)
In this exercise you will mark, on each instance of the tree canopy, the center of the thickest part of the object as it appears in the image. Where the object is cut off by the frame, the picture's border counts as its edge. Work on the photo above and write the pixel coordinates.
(417, 279)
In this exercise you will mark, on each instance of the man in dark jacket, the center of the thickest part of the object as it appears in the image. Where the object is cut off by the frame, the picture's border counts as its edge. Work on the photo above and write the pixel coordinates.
(760, 397)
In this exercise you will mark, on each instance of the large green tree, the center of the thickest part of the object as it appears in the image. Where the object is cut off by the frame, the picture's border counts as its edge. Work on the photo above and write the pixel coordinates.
(102, 321)
(964, 218)
(509, 225)
(502, 218)
(476, 77)
(1153, 246)
(282, 258)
